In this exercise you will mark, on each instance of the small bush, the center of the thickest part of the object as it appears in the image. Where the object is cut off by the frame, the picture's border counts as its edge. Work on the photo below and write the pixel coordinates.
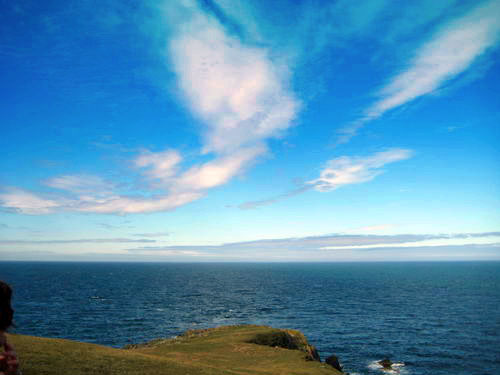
(280, 339)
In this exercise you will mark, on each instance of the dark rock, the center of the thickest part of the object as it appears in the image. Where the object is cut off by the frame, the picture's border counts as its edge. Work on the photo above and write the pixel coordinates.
(280, 339)
(312, 354)
(385, 363)
(287, 339)
(334, 362)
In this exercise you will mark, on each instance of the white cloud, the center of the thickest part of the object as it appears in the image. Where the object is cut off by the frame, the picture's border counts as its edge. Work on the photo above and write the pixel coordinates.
(448, 53)
(354, 170)
(154, 234)
(333, 242)
(132, 205)
(80, 184)
(339, 172)
(180, 189)
(24, 202)
(162, 165)
(65, 242)
(216, 172)
(451, 241)
(237, 92)
(92, 194)
(235, 89)
(241, 97)
(328, 247)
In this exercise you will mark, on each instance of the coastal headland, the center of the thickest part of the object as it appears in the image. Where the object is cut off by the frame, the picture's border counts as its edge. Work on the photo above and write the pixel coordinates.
(245, 350)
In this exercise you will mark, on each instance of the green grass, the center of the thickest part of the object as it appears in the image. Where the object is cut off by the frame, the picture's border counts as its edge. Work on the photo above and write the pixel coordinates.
(223, 350)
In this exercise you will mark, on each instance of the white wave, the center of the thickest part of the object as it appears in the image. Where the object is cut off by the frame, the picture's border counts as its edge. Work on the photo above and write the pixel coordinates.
(396, 368)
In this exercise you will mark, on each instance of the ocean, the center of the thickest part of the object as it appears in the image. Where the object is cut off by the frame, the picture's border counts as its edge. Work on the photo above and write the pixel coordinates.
(432, 318)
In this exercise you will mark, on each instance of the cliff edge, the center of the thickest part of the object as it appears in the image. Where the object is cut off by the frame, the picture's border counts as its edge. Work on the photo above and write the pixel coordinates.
(244, 350)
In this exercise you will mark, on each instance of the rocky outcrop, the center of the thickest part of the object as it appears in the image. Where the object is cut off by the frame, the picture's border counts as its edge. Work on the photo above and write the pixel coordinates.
(334, 362)
(312, 354)
(385, 363)
(287, 339)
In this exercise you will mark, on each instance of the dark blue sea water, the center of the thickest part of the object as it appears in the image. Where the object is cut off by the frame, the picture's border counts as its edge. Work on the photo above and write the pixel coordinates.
(437, 318)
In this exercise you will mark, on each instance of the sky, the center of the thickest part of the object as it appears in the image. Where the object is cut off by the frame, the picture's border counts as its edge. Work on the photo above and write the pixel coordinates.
(228, 130)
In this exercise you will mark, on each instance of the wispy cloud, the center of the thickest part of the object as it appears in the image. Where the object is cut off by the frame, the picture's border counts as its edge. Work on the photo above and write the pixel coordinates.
(451, 51)
(488, 251)
(339, 172)
(354, 170)
(84, 240)
(239, 90)
(152, 235)
(119, 204)
(321, 243)
(266, 202)
(81, 184)
(30, 255)
(160, 166)
(21, 201)
(115, 227)
(25, 202)
(454, 128)
(239, 94)
(216, 172)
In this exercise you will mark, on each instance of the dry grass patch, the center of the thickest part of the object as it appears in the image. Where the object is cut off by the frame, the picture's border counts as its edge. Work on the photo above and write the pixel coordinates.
(221, 351)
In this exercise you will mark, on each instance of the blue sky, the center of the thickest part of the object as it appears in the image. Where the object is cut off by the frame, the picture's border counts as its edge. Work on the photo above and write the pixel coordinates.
(222, 130)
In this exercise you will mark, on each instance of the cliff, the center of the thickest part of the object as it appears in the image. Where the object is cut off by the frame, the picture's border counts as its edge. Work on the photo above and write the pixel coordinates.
(244, 350)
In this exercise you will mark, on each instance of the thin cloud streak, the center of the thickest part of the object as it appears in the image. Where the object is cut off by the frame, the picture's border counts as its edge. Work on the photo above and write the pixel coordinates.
(316, 243)
(266, 202)
(450, 52)
(84, 240)
(354, 170)
(80, 184)
(152, 235)
(422, 253)
(134, 205)
(115, 227)
(340, 172)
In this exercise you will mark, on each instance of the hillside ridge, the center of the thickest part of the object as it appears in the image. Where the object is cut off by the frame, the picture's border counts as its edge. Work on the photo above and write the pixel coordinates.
(243, 349)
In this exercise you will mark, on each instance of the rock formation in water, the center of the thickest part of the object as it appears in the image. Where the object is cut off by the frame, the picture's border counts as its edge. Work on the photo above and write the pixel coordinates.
(385, 363)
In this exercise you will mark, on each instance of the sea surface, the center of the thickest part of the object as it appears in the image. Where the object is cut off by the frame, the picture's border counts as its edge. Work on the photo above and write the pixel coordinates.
(431, 318)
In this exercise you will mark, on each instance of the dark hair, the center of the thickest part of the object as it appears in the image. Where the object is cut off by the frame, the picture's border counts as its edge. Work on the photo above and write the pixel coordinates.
(6, 312)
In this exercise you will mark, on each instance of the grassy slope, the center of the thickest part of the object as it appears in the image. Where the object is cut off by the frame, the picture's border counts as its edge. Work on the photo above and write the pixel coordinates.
(222, 351)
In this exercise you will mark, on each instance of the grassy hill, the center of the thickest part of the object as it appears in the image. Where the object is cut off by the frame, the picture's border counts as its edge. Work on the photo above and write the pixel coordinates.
(244, 350)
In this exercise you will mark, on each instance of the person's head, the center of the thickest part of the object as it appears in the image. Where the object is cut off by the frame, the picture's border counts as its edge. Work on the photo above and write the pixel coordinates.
(6, 312)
